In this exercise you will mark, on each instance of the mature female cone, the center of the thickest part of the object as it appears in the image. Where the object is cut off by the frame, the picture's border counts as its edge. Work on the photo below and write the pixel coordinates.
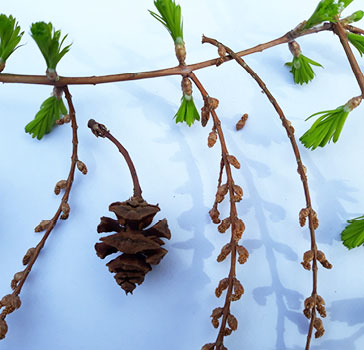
(140, 246)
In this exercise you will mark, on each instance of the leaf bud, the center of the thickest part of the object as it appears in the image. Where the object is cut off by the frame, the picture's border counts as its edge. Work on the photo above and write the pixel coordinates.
(225, 224)
(215, 322)
(214, 215)
(243, 254)
(227, 332)
(65, 210)
(212, 139)
(225, 251)
(81, 167)
(322, 259)
(42, 226)
(321, 310)
(238, 229)
(303, 215)
(28, 256)
(212, 103)
(319, 327)
(209, 346)
(186, 86)
(217, 313)
(180, 51)
(241, 123)
(315, 220)
(60, 185)
(238, 191)
(17, 277)
(233, 161)
(355, 17)
(205, 115)
(223, 190)
(294, 47)
(238, 290)
(307, 258)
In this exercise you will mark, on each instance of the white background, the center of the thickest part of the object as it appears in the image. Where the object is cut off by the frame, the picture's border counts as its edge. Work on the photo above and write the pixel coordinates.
(70, 300)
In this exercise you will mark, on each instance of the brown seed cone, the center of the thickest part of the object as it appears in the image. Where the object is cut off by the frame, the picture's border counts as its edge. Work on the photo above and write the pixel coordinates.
(140, 246)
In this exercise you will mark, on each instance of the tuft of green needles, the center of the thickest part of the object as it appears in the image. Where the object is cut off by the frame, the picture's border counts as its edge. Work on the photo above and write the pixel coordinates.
(187, 112)
(301, 69)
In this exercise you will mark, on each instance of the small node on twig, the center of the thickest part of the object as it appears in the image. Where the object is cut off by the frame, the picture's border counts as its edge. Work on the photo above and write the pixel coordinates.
(303, 215)
(223, 284)
(241, 123)
(81, 166)
(233, 161)
(225, 251)
(212, 139)
(243, 254)
(307, 258)
(60, 185)
(238, 290)
(42, 226)
(322, 259)
(28, 256)
(214, 215)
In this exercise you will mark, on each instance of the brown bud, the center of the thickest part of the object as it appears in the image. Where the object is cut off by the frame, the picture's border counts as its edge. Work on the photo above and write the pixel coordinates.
(60, 121)
(42, 226)
(214, 215)
(320, 300)
(238, 290)
(217, 313)
(186, 86)
(238, 190)
(215, 322)
(223, 190)
(319, 327)
(238, 229)
(243, 254)
(225, 224)
(28, 256)
(307, 313)
(225, 251)
(81, 167)
(303, 215)
(221, 50)
(322, 259)
(294, 47)
(212, 139)
(315, 220)
(232, 322)
(309, 303)
(11, 302)
(321, 310)
(65, 210)
(241, 123)
(67, 118)
(228, 332)
(209, 346)
(180, 53)
(223, 284)
(233, 161)
(3, 328)
(61, 184)
(17, 277)
(307, 258)
(205, 115)
(212, 103)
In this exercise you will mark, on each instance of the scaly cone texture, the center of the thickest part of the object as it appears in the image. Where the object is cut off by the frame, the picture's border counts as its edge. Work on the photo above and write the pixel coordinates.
(140, 246)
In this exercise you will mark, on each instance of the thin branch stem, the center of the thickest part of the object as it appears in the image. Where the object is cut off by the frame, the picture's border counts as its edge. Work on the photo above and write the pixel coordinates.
(301, 168)
(341, 33)
(64, 200)
(179, 70)
(100, 130)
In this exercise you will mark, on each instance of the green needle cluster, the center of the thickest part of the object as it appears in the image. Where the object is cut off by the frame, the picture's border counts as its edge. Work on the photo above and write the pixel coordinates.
(326, 128)
(353, 234)
(357, 41)
(326, 10)
(10, 36)
(187, 112)
(48, 41)
(50, 111)
(170, 16)
(301, 69)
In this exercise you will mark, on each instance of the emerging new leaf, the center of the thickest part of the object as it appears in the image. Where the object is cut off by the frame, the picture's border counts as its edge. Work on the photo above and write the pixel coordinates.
(326, 10)
(48, 41)
(357, 41)
(329, 125)
(301, 69)
(50, 111)
(355, 17)
(353, 235)
(170, 16)
(187, 112)
(10, 37)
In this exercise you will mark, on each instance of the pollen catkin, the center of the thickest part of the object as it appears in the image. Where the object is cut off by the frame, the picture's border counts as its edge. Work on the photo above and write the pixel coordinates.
(243, 254)
(225, 224)
(319, 327)
(209, 346)
(303, 215)
(238, 290)
(217, 312)
(17, 277)
(215, 322)
(212, 139)
(65, 210)
(315, 220)
(241, 123)
(238, 191)
(307, 258)
(3, 328)
(239, 228)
